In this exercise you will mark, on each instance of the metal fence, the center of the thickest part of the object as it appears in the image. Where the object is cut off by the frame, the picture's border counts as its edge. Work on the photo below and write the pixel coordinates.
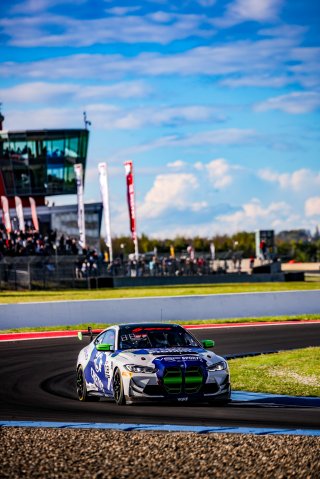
(59, 272)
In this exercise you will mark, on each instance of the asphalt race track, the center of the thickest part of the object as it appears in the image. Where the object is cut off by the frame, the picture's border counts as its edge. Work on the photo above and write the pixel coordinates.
(37, 380)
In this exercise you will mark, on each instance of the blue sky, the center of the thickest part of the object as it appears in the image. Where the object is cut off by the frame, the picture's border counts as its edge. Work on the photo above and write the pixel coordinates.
(216, 102)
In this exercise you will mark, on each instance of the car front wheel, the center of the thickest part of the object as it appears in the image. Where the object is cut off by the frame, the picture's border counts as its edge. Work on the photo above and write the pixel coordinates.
(118, 392)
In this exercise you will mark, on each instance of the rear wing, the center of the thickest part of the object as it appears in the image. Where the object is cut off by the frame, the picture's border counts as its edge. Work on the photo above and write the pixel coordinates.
(89, 333)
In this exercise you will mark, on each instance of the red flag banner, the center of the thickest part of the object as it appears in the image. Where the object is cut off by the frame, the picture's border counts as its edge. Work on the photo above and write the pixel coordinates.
(19, 210)
(131, 204)
(6, 213)
(130, 195)
(34, 213)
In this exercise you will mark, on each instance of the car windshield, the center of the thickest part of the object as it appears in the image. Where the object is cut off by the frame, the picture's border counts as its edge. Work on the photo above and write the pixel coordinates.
(137, 337)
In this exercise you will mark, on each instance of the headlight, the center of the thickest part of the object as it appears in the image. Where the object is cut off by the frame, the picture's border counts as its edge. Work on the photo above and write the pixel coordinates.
(218, 366)
(133, 368)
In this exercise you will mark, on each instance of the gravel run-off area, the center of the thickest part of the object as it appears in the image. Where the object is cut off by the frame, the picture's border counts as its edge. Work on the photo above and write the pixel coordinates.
(87, 453)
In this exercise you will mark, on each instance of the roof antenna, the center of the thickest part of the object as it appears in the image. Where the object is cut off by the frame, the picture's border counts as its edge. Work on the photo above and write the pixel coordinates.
(86, 122)
(1, 118)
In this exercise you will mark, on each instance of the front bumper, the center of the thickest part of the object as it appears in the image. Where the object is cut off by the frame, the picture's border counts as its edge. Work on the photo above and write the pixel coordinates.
(151, 389)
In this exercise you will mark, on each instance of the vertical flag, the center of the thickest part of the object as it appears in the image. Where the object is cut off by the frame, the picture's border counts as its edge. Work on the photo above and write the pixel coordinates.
(19, 211)
(81, 224)
(34, 213)
(131, 205)
(191, 252)
(212, 251)
(103, 178)
(6, 213)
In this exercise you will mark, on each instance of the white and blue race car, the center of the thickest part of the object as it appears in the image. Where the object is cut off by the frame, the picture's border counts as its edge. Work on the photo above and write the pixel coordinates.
(131, 362)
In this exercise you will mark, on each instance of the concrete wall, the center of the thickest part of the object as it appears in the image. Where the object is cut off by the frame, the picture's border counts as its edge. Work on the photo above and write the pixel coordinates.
(160, 308)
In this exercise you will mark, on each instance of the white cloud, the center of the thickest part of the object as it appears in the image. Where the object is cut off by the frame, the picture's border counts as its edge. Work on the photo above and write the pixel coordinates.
(141, 117)
(299, 180)
(40, 29)
(294, 103)
(176, 165)
(228, 136)
(254, 215)
(240, 61)
(122, 10)
(251, 216)
(206, 3)
(312, 206)
(102, 115)
(219, 171)
(45, 118)
(263, 80)
(35, 6)
(199, 205)
(231, 136)
(171, 191)
(239, 11)
(44, 92)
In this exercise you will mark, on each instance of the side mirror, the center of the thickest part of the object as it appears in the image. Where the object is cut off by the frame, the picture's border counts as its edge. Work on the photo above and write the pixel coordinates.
(207, 343)
(104, 347)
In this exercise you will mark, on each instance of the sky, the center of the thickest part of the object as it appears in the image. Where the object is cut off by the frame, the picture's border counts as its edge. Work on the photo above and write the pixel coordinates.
(216, 103)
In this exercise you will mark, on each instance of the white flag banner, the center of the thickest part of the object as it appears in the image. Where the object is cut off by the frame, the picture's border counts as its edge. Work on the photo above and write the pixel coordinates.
(81, 221)
(6, 213)
(212, 251)
(104, 188)
(19, 210)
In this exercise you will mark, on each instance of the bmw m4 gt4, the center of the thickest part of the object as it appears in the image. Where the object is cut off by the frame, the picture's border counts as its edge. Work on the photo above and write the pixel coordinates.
(132, 362)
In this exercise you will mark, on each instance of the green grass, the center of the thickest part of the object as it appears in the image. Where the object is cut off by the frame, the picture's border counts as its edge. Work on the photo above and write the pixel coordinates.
(9, 297)
(297, 317)
(295, 373)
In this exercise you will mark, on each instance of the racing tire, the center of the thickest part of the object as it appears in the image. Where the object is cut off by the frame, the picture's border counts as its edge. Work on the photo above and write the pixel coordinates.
(118, 392)
(82, 392)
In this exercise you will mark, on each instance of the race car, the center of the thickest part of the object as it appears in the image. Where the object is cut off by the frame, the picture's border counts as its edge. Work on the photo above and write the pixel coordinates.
(150, 361)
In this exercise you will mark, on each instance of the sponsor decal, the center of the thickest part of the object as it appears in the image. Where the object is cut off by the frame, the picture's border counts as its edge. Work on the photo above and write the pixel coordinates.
(98, 360)
(181, 358)
(96, 380)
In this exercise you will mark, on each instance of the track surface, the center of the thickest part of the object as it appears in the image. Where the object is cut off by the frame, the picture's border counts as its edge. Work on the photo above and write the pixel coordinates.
(38, 384)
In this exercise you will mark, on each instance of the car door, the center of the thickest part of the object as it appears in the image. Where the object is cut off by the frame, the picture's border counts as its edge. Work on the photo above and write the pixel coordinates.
(101, 360)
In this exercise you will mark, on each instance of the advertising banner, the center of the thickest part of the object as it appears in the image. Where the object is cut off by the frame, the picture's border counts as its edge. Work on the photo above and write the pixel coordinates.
(34, 214)
(6, 213)
(81, 221)
(19, 210)
(103, 179)
(131, 204)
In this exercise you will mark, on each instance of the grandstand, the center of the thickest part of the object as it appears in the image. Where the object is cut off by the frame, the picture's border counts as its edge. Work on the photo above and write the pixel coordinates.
(40, 164)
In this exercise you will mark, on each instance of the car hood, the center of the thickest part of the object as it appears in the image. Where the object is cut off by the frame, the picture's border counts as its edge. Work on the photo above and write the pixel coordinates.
(152, 356)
